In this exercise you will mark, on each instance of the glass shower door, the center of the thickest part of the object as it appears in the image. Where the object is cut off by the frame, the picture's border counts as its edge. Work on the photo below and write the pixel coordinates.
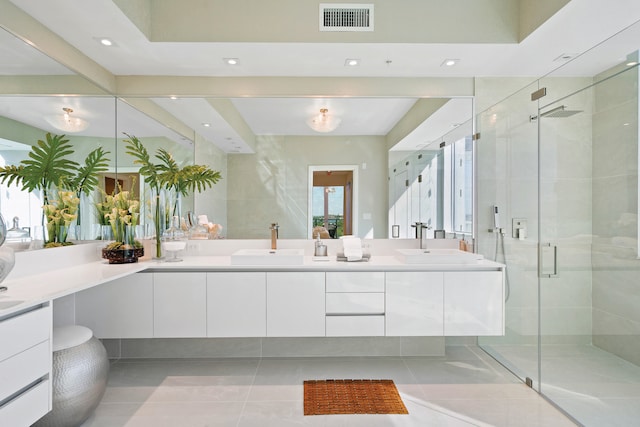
(507, 178)
(588, 264)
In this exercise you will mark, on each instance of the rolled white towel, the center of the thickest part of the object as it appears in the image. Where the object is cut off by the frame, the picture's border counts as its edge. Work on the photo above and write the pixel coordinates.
(352, 248)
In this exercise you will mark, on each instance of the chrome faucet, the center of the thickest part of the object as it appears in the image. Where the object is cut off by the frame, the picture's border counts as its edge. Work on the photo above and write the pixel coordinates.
(274, 235)
(421, 233)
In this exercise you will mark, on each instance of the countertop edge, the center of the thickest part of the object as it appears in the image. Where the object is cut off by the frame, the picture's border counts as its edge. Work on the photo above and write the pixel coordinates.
(43, 287)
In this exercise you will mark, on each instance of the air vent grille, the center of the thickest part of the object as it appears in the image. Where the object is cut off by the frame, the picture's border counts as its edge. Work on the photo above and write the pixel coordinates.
(346, 17)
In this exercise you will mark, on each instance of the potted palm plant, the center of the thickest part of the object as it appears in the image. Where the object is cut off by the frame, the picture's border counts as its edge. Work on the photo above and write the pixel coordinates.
(61, 180)
(168, 176)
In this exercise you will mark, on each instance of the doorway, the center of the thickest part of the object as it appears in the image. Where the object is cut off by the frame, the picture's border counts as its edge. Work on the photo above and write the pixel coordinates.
(332, 196)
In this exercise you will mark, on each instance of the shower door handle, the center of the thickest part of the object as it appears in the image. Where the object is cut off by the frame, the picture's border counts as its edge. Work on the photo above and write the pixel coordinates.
(547, 260)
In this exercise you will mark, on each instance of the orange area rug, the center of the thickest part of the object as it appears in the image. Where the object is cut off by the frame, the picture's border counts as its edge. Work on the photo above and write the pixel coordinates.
(328, 397)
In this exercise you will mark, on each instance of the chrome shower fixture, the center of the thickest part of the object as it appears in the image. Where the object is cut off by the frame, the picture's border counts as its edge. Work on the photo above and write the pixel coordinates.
(558, 112)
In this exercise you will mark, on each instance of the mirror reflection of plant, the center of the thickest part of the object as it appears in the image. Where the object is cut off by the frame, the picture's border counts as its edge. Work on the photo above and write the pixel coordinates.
(168, 175)
(61, 213)
(181, 180)
(49, 168)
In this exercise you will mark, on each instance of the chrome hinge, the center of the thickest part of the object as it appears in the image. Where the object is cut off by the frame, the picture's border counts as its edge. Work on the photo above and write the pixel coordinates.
(538, 94)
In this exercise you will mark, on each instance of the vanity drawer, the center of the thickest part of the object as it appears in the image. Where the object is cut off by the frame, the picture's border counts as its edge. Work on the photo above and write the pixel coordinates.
(23, 369)
(26, 408)
(355, 303)
(355, 326)
(24, 330)
(361, 281)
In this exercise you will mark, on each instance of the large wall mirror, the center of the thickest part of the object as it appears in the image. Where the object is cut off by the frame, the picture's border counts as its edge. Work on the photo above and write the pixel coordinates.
(263, 147)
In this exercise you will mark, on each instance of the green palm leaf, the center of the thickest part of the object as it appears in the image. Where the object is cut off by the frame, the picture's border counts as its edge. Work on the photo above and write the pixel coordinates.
(87, 178)
(11, 174)
(198, 177)
(170, 174)
(47, 164)
(141, 157)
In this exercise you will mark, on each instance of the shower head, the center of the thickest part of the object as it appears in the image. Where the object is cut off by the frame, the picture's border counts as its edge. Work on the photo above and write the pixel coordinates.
(558, 112)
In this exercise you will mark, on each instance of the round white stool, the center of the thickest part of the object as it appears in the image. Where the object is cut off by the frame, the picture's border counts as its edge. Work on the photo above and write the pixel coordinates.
(80, 372)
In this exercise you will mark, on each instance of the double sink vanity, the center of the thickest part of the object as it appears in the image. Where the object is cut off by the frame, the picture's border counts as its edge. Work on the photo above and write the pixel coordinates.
(227, 290)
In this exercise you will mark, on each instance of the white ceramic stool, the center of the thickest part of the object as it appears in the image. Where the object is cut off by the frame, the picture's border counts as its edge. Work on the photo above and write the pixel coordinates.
(80, 372)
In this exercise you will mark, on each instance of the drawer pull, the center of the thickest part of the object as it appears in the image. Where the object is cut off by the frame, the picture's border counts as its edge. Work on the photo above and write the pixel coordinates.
(354, 314)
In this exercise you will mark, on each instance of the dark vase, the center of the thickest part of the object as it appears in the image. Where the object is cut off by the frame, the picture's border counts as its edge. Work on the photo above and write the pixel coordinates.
(122, 256)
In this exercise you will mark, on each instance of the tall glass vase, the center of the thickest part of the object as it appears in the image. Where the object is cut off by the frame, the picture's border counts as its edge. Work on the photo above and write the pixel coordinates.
(158, 224)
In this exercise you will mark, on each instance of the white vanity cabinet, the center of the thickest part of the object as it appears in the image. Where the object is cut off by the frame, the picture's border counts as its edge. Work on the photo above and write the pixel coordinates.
(179, 305)
(237, 304)
(121, 308)
(295, 304)
(414, 303)
(25, 365)
(474, 303)
(355, 304)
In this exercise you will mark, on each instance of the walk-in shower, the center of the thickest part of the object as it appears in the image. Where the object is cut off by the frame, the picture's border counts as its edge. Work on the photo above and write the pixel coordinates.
(573, 311)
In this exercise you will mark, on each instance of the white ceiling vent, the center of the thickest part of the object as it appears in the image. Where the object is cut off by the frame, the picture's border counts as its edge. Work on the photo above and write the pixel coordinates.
(346, 17)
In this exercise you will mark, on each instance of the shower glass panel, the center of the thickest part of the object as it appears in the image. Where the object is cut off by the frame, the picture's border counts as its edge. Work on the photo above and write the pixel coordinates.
(589, 268)
(507, 177)
(563, 172)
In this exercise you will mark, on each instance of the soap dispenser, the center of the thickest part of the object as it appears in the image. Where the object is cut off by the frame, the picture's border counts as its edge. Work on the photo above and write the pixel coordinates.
(321, 248)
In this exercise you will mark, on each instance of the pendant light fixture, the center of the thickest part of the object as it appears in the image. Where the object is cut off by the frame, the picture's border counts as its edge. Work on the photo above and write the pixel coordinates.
(323, 122)
(66, 122)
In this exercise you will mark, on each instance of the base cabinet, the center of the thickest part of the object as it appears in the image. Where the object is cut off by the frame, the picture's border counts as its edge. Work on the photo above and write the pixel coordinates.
(25, 366)
(121, 308)
(414, 303)
(295, 304)
(179, 305)
(236, 304)
(473, 303)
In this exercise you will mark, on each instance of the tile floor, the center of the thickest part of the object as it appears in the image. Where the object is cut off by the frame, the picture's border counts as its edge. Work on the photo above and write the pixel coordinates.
(464, 388)
(594, 386)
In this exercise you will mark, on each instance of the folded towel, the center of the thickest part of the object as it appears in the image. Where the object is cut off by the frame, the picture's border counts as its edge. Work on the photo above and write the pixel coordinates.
(352, 248)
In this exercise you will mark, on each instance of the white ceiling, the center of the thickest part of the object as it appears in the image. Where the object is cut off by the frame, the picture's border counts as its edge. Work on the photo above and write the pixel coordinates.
(574, 29)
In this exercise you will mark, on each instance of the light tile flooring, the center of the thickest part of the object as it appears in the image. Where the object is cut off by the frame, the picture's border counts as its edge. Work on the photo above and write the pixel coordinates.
(595, 387)
(464, 388)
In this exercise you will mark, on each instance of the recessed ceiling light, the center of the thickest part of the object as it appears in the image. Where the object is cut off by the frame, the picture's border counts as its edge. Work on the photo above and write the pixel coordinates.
(231, 61)
(632, 63)
(351, 62)
(105, 41)
(450, 62)
(173, 97)
(206, 125)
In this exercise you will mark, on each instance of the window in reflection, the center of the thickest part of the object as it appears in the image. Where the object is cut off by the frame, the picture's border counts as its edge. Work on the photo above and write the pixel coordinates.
(458, 186)
(434, 188)
(332, 197)
(14, 202)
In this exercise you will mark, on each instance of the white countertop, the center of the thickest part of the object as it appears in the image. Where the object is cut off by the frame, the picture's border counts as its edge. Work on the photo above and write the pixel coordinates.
(67, 278)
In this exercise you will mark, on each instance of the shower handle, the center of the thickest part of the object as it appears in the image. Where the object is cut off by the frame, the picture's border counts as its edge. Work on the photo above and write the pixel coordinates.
(548, 261)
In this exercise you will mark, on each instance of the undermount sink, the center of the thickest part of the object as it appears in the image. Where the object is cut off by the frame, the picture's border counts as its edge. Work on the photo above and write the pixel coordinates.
(268, 257)
(437, 256)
